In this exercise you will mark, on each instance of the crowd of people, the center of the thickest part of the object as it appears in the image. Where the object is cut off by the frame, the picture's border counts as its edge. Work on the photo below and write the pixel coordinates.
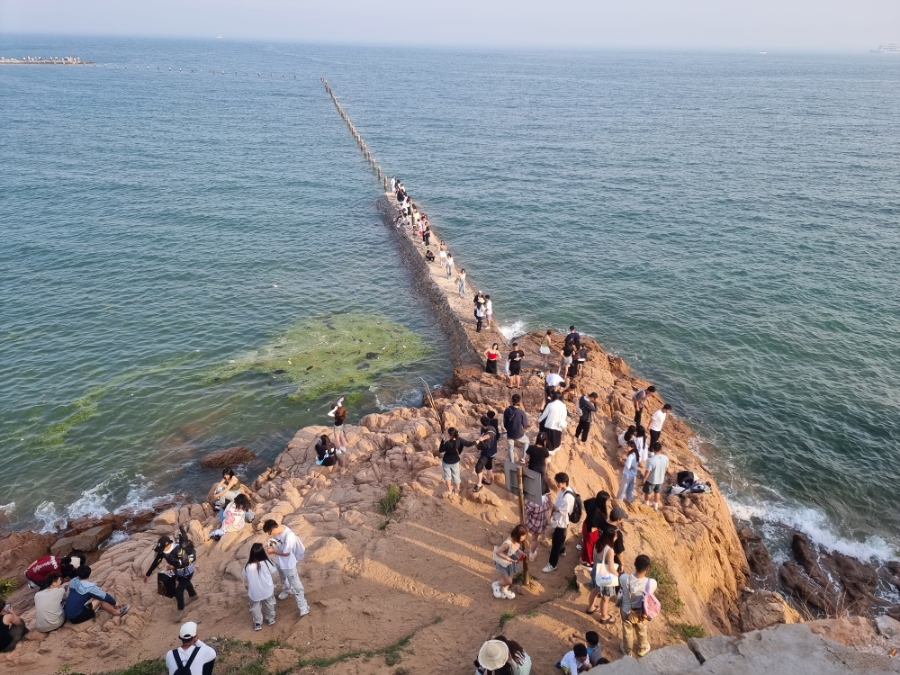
(621, 590)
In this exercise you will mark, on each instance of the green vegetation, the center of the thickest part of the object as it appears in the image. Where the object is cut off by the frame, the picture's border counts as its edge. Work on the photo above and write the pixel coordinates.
(688, 630)
(7, 588)
(572, 583)
(328, 353)
(508, 615)
(388, 504)
(667, 590)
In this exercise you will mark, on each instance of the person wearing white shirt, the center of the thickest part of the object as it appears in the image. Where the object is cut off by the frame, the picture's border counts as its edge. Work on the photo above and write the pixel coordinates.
(193, 651)
(657, 421)
(655, 476)
(553, 420)
(634, 587)
(260, 586)
(559, 519)
(288, 551)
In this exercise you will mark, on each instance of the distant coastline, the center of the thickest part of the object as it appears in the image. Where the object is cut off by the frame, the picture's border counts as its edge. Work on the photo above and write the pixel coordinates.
(42, 61)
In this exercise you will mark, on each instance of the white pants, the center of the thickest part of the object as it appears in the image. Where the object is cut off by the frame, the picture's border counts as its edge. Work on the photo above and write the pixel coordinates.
(512, 446)
(290, 583)
(260, 607)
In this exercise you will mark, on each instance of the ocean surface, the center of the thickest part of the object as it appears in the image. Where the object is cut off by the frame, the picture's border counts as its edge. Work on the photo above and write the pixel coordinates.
(728, 223)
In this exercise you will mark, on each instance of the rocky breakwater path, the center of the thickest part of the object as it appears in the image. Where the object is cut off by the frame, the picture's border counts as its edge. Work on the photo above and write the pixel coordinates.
(373, 578)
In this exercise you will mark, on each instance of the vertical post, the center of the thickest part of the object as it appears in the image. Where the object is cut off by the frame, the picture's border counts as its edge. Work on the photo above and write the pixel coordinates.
(526, 578)
(385, 184)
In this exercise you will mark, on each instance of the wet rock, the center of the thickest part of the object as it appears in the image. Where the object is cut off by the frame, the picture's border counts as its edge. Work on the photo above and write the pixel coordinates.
(757, 554)
(798, 582)
(227, 457)
(806, 558)
(762, 609)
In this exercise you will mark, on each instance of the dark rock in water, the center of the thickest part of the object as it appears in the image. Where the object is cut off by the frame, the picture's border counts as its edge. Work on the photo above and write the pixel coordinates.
(803, 555)
(371, 355)
(228, 457)
(363, 366)
(280, 371)
(311, 367)
(858, 580)
(798, 582)
(757, 557)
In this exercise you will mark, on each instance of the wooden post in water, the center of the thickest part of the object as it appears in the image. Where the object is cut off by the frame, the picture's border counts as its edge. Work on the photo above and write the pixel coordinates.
(526, 578)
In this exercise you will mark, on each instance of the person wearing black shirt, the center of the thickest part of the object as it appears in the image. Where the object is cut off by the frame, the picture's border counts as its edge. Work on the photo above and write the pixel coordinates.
(537, 455)
(614, 522)
(450, 450)
(515, 422)
(180, 570)
(429, 256)
(595, 512)
(514, 362)
(588, 406)
(325, 452)
(487, 445)
(573, 339)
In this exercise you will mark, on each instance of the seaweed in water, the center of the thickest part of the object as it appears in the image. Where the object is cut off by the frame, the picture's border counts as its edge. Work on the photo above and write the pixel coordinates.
(332, 353)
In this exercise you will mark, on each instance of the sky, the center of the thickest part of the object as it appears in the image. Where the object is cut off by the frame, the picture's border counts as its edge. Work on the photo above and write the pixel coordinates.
(803, 25)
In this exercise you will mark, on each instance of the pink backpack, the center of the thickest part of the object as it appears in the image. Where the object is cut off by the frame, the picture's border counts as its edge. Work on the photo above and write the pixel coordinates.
(651, 606)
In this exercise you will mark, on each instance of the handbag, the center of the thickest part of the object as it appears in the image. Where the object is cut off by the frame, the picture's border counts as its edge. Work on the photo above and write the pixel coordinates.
(601, 576)
(165, 585)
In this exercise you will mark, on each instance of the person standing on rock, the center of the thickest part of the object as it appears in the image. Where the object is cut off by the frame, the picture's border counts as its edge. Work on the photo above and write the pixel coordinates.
(179, 568)
(194, 657)
(479, 317)
(339, 413)
(639, 399)
(393, 184)
(260, 586)
(426, 233)
(487, 445)
(655, 476)
(449, 265)
(461, 282)
(442, 253)
(573, 339)
(288, 551)
(545, 349)
(488, 310)
(514, 367)
(634, 622)
(555, 419)
(641, 443)
(629, 473)
(552, 383)
(587, 405)
(596, 509)
(559, 519)
(491, 354)
(657, 420)
(537, 456)
(537, 517)
(565, 361)
(450, 450)
(515, 421)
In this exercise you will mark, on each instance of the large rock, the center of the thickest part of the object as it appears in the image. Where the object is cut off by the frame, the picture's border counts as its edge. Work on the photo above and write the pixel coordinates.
(762, 609)
(19, 549)
(228, 457)
(86, 541)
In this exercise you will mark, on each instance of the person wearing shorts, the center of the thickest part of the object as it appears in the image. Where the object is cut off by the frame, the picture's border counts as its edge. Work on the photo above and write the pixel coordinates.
(487, 444)
(450, 450)
(514, 365)
(655, 476)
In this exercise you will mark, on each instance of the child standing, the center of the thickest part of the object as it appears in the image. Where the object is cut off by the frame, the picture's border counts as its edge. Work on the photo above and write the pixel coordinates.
(506, 559)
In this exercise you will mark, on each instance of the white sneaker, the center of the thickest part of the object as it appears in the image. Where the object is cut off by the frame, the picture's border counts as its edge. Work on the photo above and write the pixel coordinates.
(508, 594)
(496, 588)
(271, 622)
(284, 595)
(304, 612)
(549, 568)
(257, 626)
(577, 547)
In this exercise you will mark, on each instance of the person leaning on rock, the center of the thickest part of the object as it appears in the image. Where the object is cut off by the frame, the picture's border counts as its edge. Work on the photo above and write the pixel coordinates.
(194, 657)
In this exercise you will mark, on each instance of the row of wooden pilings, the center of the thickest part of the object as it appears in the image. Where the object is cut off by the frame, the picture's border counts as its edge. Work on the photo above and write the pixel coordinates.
(359, 141)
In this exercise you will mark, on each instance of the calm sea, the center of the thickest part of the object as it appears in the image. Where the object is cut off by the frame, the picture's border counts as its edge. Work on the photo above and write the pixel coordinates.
(728, 223)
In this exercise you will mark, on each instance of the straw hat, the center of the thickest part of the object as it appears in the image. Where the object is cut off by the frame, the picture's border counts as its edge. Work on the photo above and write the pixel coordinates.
(493, 654)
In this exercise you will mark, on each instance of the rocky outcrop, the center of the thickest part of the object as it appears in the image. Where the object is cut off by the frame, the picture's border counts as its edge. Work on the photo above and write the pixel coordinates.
(793, 649)
(763, 609)
(227, 457)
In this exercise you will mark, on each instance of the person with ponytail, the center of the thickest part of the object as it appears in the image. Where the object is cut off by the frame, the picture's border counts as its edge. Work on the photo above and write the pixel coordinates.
(260, 586)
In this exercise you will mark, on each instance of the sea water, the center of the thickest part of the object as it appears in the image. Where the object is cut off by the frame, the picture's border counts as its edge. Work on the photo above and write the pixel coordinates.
(727, 223)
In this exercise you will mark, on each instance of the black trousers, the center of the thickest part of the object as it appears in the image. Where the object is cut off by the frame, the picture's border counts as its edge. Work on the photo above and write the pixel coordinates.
(478, 325)
(183, 584)
(654, 436)
(637, 416)
(557, 544)
(583, 428)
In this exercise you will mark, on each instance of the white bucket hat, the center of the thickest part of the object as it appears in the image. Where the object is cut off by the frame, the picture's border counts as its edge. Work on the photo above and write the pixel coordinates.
(493, 654)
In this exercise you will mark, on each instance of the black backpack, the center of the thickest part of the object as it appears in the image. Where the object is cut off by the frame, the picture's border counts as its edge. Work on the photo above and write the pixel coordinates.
(188, 550)
(184, 668)
(577, 510)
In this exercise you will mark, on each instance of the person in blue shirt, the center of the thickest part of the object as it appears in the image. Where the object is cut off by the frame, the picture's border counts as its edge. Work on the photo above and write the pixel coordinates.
(86, 597)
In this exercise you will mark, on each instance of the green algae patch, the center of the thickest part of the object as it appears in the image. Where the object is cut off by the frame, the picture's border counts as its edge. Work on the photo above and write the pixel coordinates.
(328, 353)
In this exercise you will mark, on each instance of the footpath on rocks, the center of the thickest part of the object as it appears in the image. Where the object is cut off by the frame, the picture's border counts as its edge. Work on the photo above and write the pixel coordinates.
(409, 590)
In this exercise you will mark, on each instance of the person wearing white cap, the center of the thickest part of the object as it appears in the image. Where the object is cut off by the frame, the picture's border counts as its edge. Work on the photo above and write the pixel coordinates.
(194, 657)
(492, 658)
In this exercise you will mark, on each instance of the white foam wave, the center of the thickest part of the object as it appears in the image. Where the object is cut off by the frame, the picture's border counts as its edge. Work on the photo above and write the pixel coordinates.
(815, 525)
(117, 537)
(48, 515)
(8, 508)
(512, 330)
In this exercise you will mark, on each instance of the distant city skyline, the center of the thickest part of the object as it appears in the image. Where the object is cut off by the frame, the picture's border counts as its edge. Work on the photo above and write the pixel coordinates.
(823, 25)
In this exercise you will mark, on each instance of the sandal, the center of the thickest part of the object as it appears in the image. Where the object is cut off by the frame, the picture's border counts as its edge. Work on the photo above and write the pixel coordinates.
(590, 611)
(607, 620)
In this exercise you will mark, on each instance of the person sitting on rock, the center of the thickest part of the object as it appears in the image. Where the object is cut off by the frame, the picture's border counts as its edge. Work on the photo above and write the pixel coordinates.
(12, 629)
(237, 513)
(326, 454)
(85, 598)
(226, 489)
(179, 570)
(429, 256)
(38, 571)
(48, 605)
